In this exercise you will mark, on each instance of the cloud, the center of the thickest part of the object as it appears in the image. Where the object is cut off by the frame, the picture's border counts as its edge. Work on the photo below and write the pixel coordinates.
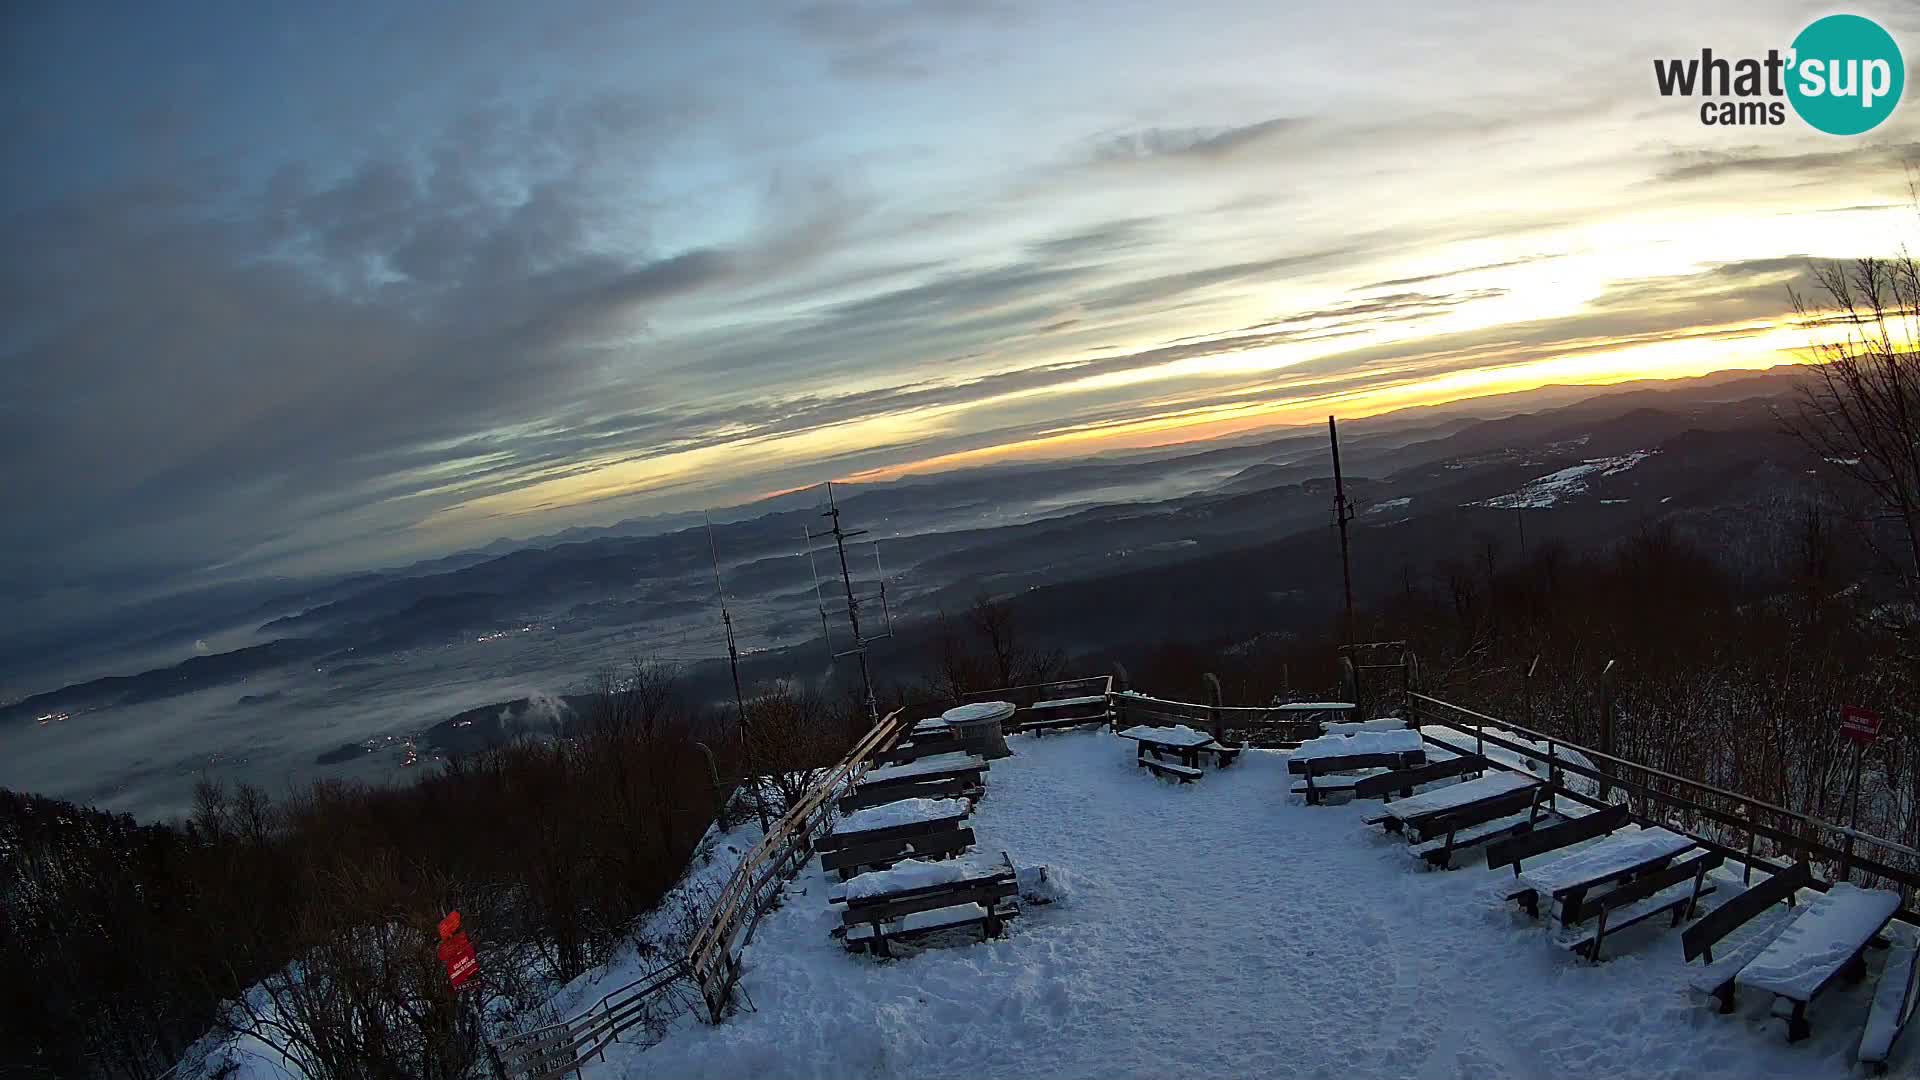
(1806, 168)
(1191, 143)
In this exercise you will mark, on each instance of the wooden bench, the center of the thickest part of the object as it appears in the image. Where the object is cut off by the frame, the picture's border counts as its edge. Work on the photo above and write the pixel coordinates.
(1186, 774)
(952, 787)
(978, 897)
(1716, 977)
(1383, 785)
(1642, 898)
(1823, 944)
(1512, 850)
(1223, 755)
(1604, 864)
(1318, 771)
(1442, 834)
(1893, 1002)
(879, 854)
(1429, 814)
(917, 749)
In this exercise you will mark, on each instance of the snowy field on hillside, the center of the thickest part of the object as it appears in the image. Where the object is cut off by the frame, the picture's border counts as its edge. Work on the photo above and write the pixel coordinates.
(1217, 929)
(1558, 487)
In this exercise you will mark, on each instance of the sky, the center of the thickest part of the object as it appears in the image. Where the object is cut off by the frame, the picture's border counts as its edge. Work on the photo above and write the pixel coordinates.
(296, 288)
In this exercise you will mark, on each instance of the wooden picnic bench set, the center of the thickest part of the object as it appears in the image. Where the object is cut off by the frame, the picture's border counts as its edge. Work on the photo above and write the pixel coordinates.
(903, 848)
(1157, 747)
(1594, 873)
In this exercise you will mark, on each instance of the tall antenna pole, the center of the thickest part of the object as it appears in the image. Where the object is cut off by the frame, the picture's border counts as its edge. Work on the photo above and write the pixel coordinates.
(840, 538)
(1342, 513)
(739, 699)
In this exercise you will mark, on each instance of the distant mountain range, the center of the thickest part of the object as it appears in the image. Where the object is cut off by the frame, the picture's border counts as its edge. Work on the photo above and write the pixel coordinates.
(1170, 525)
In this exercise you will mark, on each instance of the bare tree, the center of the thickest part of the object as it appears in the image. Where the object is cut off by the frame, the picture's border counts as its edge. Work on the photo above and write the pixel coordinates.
(795, 737)
(1010, 660)
(1861, 411)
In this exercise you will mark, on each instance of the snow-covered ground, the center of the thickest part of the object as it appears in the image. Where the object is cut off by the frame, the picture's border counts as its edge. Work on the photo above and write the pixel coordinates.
(1556, 487)
(1216, 929)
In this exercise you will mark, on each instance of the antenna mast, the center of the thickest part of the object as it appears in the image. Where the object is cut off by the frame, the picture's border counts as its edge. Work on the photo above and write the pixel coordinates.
(739, 701)
(859, 649)
(1342, 513)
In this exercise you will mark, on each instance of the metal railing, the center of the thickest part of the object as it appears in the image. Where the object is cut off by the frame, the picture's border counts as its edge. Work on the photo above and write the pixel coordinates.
(1733, 824)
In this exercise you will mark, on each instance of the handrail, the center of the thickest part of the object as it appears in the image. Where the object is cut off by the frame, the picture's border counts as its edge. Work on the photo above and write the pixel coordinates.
(1038, 685)
(1699, 785)
(708, 961)
(709, 956)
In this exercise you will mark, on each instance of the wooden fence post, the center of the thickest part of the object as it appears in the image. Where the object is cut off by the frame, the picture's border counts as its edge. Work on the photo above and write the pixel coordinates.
(1120, 682)
(1526, 691)
(713, 775)
(1215, 698)
(1606, 730)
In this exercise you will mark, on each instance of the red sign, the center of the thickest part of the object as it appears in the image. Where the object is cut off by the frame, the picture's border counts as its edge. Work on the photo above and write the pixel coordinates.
(1860, 725)
(450, 925)
(457, 953)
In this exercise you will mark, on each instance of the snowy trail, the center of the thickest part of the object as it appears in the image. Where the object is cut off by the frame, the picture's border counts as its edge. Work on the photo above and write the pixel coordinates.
(1215, 929)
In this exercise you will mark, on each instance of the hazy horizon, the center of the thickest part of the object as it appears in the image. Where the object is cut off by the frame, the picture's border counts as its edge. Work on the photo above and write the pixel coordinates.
(351, 289)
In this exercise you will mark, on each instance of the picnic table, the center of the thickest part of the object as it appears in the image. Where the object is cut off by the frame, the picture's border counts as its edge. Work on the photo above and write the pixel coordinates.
(883, 835)
(949, 773)
(917, 897)
(950, 763)
(1178, 739)
(1823, 943)
(1413, 812)
(1615, 858)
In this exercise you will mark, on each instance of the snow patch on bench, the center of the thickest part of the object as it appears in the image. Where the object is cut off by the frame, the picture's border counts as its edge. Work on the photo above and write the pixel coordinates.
(904, 812)
(1823, 937)
(1365, 742)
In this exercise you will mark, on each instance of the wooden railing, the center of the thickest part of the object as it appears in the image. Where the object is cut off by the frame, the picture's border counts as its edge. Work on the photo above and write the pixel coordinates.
(711, 966)
(712, 960)
(1023, 698)
(561, 1047)
(1750, 831)
(1252, 724)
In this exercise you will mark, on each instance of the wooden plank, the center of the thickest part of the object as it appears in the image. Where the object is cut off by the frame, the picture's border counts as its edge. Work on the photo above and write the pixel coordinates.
(1320, 766)
(1454, 819)
(1699, 939)
(1183, 773)
(917, 749)
(1892, 1009)
(984, 892)
(1512, 851)
(886, 853)
(1647, 884)
(948, 788)
(1439, 852)
(1385, 784)
(835, 840)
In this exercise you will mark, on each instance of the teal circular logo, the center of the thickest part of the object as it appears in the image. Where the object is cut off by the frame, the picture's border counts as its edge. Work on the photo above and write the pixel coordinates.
(1846, 74)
